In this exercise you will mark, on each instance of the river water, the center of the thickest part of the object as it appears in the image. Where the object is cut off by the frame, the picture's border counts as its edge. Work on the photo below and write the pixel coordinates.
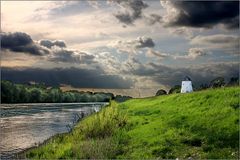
(27, 125)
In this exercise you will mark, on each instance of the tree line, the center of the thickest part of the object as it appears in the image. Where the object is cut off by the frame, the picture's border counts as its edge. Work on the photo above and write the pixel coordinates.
(39, 93)
(215, 83)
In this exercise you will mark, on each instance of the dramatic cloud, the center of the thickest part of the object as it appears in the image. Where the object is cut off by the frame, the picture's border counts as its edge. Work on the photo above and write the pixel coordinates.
(219, 41)
(132, 12)
(70, 56)
(21, 42)
(202, 13)
(54, 51)
(49, 44)
(131, 46)
(75, 77)
(173, 41)
(59, 53)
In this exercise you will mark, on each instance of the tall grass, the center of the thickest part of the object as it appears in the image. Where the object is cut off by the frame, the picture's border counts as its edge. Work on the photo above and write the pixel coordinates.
(102, 134)
(99, 136)
(104, 123)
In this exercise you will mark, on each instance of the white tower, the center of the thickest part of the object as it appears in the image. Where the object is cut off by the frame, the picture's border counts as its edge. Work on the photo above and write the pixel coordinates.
(186, 85)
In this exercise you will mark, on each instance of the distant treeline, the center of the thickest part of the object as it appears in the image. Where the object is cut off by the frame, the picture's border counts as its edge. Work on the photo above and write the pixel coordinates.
(215, 83)
(39, 93)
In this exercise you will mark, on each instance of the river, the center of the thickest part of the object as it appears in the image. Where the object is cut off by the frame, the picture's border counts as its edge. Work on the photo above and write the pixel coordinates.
(23, 126)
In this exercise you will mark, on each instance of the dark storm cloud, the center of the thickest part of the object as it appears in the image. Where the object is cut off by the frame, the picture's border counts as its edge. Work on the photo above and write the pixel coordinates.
(21, 42)
(59, 53)
(170, 76)
(81, 78)
(54, 51)
(49, 43)
(205, 13)
(133, 10)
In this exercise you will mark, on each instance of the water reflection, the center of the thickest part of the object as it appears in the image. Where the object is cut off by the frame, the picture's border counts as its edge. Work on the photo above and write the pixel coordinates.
(26, 125)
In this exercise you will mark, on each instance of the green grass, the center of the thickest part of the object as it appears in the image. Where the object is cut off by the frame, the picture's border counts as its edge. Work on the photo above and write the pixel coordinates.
(200, 125)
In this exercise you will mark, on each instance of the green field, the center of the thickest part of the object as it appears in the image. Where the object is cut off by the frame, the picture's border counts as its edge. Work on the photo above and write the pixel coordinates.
(200, 125)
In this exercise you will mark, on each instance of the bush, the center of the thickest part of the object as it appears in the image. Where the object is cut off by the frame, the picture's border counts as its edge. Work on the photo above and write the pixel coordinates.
(234, 81)
(217, 82)
(161, 92)
(175, 89)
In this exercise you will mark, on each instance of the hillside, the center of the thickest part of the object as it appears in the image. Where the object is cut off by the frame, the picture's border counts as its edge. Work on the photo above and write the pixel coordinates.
(199, 125)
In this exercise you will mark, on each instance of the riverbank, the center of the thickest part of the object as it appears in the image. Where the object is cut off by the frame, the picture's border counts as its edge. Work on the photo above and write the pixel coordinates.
(22, 154)
(26, 125)
(199, 125)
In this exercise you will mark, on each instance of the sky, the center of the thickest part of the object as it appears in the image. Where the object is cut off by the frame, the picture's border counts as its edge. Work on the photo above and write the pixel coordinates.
(128, 47)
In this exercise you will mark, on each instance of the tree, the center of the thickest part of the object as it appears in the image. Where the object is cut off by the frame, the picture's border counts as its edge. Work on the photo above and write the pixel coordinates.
(217, 82)
(161, 92)
(234, 81)
(68, 97)
(23, 94)
(7, 92)
(54, 95)
(175, 89)
(120, 98)
(35, 95)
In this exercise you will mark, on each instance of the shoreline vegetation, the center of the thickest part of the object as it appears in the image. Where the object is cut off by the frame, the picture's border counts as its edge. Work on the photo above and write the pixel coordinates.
(197, 125)
(40, 93)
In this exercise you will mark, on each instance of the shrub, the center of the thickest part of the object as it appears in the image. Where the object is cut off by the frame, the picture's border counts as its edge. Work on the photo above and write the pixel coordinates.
(217, 82)
(175, 89)
(161, 92)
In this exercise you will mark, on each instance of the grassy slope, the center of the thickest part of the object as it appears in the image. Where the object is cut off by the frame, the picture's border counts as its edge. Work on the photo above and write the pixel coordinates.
(200, 125)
